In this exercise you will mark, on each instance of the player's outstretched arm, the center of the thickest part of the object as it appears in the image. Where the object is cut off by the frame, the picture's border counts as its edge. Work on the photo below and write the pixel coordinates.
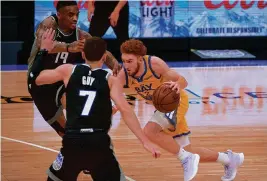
(128, 114)
(61, 73)
(48, 23)
(49, 76)
(162, 69)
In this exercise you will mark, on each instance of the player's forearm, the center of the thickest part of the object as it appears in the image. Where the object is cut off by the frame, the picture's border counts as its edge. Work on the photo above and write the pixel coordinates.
(37, 65)
(90, 3)
(120, 5)
(59, 47)
(132, 122)
(173, 76)
(46, 77)
(111, 61)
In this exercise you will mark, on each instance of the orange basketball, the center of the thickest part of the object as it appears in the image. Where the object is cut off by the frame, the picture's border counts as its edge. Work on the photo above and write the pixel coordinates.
(165, 99)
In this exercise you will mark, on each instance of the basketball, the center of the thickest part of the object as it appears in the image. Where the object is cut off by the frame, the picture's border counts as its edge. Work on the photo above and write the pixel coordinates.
(165, 99)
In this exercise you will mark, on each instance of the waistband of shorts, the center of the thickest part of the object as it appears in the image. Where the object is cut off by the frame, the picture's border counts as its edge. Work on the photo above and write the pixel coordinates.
(85, 131)
(182, 134)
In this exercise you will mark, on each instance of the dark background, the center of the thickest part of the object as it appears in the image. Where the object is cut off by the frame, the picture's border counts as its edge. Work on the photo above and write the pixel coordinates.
(17, 27)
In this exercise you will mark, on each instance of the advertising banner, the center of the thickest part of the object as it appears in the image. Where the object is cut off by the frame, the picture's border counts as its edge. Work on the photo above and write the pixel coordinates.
(180, 18)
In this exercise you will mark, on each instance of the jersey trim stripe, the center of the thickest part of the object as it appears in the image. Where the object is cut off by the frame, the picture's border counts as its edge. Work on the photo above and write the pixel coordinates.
(150, 67)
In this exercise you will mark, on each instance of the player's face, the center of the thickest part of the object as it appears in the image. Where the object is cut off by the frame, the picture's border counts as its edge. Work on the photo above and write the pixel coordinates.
(131, 63)
(68, 16)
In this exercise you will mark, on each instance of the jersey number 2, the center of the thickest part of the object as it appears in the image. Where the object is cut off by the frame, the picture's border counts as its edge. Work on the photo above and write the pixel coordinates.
(89, 101)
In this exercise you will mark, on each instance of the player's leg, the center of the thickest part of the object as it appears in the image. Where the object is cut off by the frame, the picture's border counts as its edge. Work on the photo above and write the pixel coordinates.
(107, 168)
(66, 167)
(154, 131)
(229, 159)
(49, 106)
(63, 101)
(99, 23)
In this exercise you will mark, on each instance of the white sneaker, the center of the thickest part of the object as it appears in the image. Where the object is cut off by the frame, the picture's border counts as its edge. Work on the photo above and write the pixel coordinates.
(230, 170)
(190, 165)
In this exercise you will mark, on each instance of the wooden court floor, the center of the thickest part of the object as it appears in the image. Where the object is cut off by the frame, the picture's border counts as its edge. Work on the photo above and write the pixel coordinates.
(28, 145)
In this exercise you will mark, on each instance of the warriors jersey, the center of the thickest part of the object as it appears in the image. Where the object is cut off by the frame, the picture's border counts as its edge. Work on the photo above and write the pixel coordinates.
(145, 85)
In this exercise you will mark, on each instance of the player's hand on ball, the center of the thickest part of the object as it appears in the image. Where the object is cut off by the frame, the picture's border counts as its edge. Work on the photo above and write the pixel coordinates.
(174, 86)
(152, 148)
(47, 41)
(76, 46)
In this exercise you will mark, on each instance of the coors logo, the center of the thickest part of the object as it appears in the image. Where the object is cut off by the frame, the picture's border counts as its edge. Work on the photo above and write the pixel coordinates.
(245, 4)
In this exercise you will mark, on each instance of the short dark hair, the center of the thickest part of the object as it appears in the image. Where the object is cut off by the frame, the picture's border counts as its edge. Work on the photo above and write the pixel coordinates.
(62, 4)
(94, 48)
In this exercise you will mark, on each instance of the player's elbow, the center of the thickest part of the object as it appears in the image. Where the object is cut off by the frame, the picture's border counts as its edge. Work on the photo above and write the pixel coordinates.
(185, 83)
(38, 81)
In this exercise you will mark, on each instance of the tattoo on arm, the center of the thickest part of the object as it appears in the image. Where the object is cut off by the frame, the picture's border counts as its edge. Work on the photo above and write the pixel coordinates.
(43, 26)
(84, 34)
(111, 61)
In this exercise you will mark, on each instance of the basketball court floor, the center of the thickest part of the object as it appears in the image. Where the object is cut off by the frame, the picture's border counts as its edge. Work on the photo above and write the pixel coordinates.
(228, 110)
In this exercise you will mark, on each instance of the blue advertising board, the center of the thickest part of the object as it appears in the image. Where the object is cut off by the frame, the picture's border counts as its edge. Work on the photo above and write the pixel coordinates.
(180, 18)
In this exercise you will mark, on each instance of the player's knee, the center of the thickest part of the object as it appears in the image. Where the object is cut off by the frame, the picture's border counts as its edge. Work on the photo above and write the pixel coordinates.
(184, 142)
(63, 101)
(152, 129)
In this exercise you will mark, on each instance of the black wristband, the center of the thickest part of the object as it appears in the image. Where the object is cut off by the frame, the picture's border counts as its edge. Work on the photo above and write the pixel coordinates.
(37, 65)
(42, 52)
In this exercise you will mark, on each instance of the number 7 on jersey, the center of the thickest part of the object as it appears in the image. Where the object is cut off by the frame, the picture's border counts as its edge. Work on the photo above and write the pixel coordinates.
(89, 101)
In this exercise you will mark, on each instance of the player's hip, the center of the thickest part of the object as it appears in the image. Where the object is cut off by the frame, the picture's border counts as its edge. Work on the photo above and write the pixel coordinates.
(87, 140)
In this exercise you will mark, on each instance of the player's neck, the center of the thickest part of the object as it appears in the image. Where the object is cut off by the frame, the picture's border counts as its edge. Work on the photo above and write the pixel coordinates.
(63, 29)
(95, 65)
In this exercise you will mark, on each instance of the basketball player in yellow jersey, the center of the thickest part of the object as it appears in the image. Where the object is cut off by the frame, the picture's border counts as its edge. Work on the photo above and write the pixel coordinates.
(143, 74)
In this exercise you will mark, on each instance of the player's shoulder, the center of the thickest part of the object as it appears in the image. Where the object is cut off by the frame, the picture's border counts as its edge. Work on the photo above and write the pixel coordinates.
(83, 34)
(49, 22)
(112, 80)
(155, 61)
(102, 72)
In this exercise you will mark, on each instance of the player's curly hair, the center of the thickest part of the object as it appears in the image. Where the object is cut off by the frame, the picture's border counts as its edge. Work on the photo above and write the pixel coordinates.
(134, 46)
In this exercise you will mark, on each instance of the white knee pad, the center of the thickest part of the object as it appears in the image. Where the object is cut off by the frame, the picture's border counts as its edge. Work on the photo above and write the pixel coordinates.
(183, 141)
(161, 120)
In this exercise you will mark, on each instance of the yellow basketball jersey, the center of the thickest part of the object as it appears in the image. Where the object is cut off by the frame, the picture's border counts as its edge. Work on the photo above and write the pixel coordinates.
(145, 85)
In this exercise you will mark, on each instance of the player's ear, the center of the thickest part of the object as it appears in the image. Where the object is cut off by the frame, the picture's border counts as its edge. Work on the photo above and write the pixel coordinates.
(58, 15)
(140, 58)
(104, 57)
(83, 55)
